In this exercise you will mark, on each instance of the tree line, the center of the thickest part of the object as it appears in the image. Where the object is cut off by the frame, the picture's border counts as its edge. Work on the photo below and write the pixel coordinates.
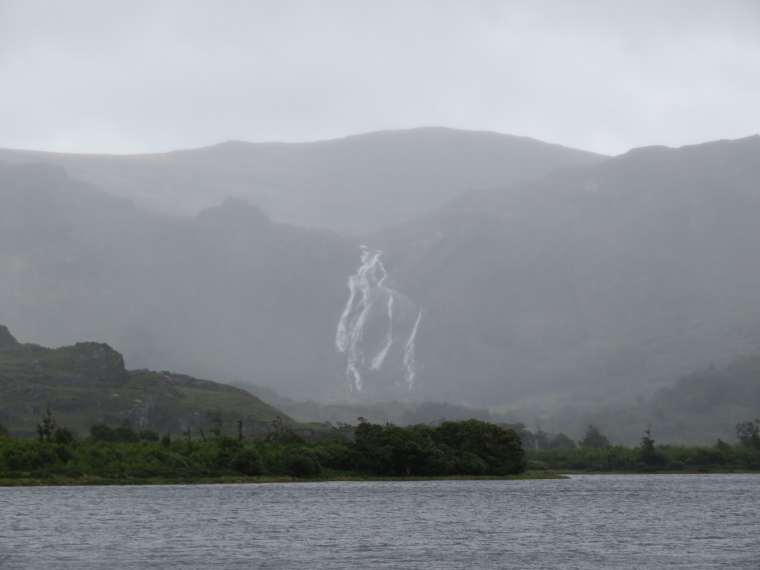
(453, 448)
(596, 453)
(468, 448)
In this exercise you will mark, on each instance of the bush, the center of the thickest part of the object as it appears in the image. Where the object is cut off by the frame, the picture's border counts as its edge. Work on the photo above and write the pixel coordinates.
(63, 436)
(652, 457)
(102, 432)
(298, 465)
(436, 461)
(223, 459)
(248, 462)
(471, 464)
(149, 435)
(534, 465)
(708, 457)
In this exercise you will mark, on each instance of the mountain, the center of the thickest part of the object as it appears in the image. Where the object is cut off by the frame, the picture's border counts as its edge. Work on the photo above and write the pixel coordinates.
(353, 185)
(590, 284)
(697, 408)
(87, 383)
(226, 294)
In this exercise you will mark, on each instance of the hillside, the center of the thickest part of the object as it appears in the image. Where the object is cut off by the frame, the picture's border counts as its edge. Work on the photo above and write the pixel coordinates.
(87, 383)
(591, 284)
(353, 185)
(698, 408)
(226, 294)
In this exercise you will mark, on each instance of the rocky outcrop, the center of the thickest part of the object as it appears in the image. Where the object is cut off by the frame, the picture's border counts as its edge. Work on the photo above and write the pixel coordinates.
(99, 361)
(87, 383)
(7, 340)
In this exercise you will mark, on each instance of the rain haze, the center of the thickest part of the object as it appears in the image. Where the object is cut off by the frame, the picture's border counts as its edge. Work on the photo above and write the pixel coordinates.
(247, 241)
(521, 208)
(139, 77)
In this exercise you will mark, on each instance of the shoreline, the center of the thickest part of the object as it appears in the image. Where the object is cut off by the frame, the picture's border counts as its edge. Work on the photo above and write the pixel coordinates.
(91, 481)
(86, 481)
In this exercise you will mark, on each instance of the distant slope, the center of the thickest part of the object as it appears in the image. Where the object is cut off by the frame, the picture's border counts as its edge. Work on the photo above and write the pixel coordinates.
(353, 185)
(226, 294)
(592, 283)
(87, 383)
(699, 407)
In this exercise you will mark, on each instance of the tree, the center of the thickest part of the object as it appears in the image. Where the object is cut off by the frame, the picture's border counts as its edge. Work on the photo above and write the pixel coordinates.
(216, 420)
(46, 427)
(102, 432)
(248, 462)
(647, 453)
(749, 433)
(3, 431)
(542, 439)
(407, 453)
(561, 441)
(283, 432)
(63, 436)
(126, 432)
(594, 438)
(501, 449)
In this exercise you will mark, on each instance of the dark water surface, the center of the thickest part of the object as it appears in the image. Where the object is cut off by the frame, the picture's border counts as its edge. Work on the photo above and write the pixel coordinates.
(588, 521)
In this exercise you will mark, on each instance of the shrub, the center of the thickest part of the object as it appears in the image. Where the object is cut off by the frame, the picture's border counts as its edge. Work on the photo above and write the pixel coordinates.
(708, 457)
(298, 465)
(436, 461)
(534, 465)
(148, 435)
(471, 464)
(63, 436)
(248, 462)
(102, 432)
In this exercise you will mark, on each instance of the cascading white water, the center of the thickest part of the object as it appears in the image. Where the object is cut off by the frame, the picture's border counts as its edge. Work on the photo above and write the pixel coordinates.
(377, 328)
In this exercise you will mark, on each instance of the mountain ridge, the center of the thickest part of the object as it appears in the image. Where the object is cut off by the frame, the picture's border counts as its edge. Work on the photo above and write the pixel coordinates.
(591, 284)
(585, 254)
(352, 185)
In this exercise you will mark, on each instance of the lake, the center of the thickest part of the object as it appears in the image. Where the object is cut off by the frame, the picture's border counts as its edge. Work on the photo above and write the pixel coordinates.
(585, 522)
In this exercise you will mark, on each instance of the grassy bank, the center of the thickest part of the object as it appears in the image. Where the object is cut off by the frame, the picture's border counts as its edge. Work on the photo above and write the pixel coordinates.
(62, 481)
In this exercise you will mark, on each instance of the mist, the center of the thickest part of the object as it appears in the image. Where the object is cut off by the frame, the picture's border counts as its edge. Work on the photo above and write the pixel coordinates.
(548, 210)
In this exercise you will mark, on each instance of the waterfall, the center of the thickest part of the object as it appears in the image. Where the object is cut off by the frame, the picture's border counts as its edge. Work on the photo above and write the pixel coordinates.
(377, 328)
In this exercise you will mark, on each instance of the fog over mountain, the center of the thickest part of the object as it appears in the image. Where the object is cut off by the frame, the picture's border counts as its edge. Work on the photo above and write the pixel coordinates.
(353, 185)
(595, 282)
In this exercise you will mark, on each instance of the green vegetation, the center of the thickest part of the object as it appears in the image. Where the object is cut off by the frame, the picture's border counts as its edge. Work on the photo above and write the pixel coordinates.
(749, 433)
(454, 448)
(648, 458)
(594, 438)
(668, 458)
(87, 384)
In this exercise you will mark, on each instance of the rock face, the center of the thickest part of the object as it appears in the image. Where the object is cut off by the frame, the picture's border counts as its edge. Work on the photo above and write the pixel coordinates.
(100, 362)
(6, 338)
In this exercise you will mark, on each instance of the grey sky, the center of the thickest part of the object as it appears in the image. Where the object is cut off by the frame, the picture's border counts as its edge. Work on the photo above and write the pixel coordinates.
(126, 76)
